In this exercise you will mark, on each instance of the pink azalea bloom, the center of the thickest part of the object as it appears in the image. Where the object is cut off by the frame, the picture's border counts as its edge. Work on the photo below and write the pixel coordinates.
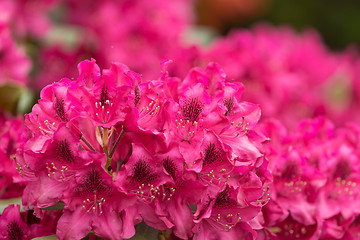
(334, 153)
(11, 184)
(315, 178)
(101, 98)
(216, 167)
(184, 189)
(208, 103)
(295, 179)
(101, 207)
(13, 226)
(224, 213)
(53, 109)
(55, 164)
(142, 177)
(69, 132)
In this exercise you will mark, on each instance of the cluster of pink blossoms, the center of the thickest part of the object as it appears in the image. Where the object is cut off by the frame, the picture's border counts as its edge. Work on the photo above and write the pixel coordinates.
(116, 149)
(316, 180)
(14, 64)
(110, 150)
(283, 70)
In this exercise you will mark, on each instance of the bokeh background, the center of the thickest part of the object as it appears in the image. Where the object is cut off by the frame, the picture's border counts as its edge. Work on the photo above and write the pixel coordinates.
(337, 21)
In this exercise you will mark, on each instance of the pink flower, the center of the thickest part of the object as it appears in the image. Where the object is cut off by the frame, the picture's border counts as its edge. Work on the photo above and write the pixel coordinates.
(15, 65)
(55, 164)
(229, 210)
(143, 178)
(185, 190)
(13, 227)
(315, 178)
(11, 184)
(101, 207)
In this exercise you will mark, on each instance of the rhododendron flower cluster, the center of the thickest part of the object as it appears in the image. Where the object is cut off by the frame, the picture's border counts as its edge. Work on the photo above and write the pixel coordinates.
(175, 148)
(315, 189)
(117, 149)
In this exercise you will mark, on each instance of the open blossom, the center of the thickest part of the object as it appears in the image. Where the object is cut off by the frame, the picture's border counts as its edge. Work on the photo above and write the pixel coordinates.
(211, 131)
(11, 184)
(17, 226)
(116, 148)
(71, 145)
(102, 208)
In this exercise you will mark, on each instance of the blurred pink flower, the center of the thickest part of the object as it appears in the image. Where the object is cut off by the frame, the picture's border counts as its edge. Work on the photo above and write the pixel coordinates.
(283, 71)
(13, 226)
(11, 132)
(14, 64)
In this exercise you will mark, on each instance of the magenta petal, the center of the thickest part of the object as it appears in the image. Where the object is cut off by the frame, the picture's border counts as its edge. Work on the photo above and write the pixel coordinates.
(181, 215)
(129, 219)
(73, 225)
(109, 226)
(43, 193)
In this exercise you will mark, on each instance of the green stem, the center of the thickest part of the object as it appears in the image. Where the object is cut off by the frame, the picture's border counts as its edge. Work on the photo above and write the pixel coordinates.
(109, 156)
(117, 142)
(108, 160)
(87, 144)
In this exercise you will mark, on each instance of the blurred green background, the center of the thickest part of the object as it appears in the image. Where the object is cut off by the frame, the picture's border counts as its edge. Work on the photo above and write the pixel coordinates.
(337, 20)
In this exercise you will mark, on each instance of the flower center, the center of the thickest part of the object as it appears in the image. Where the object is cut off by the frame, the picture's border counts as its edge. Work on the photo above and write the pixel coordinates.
(170, 167)
(14, 231)
(212, 154)
(229, 104)
(192, 108)
(224, 200)
(224, 210)
(93, 184)
(104, 95)
(342, 170)
(59, 109)
(63, 151)
(290, 171)
(137, 95)
(141, 172)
